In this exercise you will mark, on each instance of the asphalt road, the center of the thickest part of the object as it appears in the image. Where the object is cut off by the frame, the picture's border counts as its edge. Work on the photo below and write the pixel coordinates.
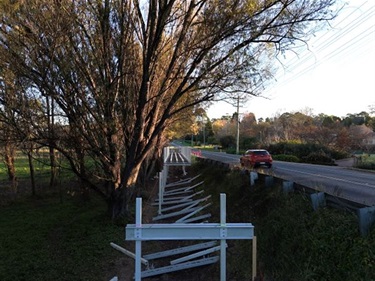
(343, 182)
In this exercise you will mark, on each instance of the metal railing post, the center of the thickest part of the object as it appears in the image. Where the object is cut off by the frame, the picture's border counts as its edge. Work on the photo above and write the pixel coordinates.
(223, 261)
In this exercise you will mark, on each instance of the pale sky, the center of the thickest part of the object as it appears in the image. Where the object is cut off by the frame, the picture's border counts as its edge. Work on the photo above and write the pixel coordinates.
(336, 76)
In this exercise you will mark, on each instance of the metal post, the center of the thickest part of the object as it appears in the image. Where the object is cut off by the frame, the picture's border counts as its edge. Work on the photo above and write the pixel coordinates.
(138, 243)
(161, 187)
(223, 241)
(238, 126)
(204, 132)
(254, 271)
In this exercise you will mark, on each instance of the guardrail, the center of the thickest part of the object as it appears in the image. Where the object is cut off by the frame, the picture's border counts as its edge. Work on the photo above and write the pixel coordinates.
(365, 214)
(319, 199)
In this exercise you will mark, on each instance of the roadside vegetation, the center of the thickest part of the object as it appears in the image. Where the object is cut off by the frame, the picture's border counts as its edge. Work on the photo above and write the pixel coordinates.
(295, 137)
(60, 235)
(305, 153)
(294, 242)
(365, 161)
(77, 127)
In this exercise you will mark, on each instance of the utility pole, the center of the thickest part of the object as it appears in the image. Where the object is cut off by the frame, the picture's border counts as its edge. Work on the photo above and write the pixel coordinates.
(204, 133)
(238, 126)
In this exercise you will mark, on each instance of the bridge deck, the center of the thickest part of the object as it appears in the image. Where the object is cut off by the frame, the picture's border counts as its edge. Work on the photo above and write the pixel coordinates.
(176, 158)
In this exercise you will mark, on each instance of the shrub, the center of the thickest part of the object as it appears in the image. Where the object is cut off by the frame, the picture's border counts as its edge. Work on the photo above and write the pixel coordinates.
(286, 158)
(318, 158)
(306, 151)
(366, 162)
(248, 143)
(228, 141)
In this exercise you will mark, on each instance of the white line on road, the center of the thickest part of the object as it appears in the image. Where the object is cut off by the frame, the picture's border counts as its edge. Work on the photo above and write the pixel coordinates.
(328, 177)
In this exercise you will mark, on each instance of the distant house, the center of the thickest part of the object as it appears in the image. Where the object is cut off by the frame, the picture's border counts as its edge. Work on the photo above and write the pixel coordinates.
(369, 139)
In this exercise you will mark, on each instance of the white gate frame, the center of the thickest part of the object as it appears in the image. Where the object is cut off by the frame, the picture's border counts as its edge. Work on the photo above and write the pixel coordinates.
(222, 231)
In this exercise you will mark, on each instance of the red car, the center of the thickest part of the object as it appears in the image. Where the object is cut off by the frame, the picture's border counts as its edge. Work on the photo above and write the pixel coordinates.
(255, 158)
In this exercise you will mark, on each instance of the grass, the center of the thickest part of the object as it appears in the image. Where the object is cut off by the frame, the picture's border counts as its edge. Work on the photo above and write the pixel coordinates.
(47, 240)
(53, 235)
(41, 167)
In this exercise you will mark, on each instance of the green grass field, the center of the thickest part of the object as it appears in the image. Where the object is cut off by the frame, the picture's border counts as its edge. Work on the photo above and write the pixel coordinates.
(41, 167)
(53, 235)
(44, 239)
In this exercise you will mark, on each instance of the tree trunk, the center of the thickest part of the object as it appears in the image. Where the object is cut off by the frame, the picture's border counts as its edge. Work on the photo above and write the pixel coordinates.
(52, 156)
(118, 202)
(32, 172)
(9, 161)
(84, 189)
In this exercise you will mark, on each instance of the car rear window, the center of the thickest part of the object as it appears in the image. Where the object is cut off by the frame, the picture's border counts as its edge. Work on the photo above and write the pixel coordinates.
(260, 152)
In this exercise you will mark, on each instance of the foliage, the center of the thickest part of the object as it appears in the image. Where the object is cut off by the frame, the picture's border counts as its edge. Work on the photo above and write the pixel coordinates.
(294, 242)
(366, 161)
(318, 157)
(228, 142)
(306, 151)
(73, 58)
(286, 158)
(248, 142)
(329, 132)
(299, 244)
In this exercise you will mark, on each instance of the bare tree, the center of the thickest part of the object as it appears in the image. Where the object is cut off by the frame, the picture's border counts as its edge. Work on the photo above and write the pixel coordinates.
(8, 140)
(14, 125)
(119, 70)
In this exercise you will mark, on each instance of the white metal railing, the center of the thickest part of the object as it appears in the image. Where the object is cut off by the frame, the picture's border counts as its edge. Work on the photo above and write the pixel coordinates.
(222, 231)
(177, 155)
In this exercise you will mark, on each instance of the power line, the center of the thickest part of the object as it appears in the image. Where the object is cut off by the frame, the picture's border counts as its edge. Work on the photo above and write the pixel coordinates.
(328, 57)
(332, 39)
(359, 39)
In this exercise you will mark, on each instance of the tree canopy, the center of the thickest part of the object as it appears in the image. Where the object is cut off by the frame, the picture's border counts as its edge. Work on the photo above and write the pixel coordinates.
(111, 75)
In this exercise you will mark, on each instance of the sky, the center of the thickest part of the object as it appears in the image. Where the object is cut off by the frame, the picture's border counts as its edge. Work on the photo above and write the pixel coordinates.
(335, 75)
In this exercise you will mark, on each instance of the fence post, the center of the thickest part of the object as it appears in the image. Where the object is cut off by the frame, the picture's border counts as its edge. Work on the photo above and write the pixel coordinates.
(269, 181)
(318, 200)
(138, 242)
(253, 177)
(288, 186)
(366, 218)
(161, 190)
(254, 270)
(223, 211)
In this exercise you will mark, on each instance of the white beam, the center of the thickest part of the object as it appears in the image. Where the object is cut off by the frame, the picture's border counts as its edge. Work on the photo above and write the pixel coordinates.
(191, 231)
